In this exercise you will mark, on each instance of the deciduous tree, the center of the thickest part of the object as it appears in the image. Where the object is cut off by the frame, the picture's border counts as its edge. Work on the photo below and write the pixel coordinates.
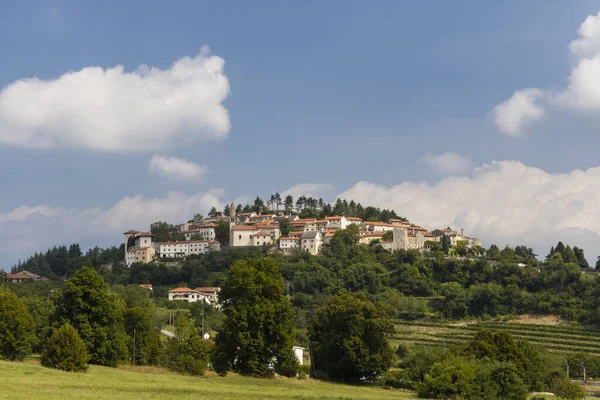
(17, 328)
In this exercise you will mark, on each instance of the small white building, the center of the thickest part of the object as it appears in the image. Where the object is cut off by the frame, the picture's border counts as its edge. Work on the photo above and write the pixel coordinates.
(187, 248)
(311, 241)
(288, 244)
(187, 294)
(299, 353)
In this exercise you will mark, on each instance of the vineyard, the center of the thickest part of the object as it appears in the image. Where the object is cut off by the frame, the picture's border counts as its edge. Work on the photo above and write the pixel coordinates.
(555, 338)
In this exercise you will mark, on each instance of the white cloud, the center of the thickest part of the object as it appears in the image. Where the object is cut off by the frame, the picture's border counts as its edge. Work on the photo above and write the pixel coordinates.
(502, 202)
(518, 111)
(316, 190)
(26, 229)
(582, 93)
(117, 111)
(588, 43)
(446, 164)
(176, 168)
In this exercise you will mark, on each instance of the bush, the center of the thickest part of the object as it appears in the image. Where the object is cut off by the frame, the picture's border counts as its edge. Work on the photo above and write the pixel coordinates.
(17, 328)
(398, 379)
(402, 351)
(303, 371)
(565, 389)
(65, 350)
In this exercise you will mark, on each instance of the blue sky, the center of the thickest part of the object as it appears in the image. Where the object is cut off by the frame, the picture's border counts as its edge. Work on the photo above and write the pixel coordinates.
(332, 93)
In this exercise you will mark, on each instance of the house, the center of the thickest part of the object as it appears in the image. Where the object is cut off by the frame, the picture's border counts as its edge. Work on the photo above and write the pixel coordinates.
(206, 231)
(24, 276)
(305, 224)
(187, 248)
(354, 220)
(367, 237)
(147, 286)
(18, 278)
(311, 241)
(378, 226)
(254, 235)
(137, 254)
(211, 293)
(187, 294)
(288, 244)
(262, 238)
(336, 222)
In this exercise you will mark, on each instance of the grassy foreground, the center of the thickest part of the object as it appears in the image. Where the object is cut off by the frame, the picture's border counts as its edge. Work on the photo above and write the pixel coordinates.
(28, 381)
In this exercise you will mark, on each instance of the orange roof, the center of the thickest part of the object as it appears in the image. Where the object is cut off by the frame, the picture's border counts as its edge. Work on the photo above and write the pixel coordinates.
(174, 243)
(17, 276)
(288, 238)
(145, 234)
(261, 233)
(208, 289)
(188, 231)
(265, 226)
(305, 220)
(244, 228)
(377, 223)
(353, 219)
(181, 290)
(333, 218)
(129, 232)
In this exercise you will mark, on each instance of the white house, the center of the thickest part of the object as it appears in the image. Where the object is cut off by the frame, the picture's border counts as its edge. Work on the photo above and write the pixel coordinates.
(211, 293)
(299, 353)
(288, 244)
(336, 222)
(262, 238)
(311, 241)
(187, 294)
(254, 235)
(186, 248)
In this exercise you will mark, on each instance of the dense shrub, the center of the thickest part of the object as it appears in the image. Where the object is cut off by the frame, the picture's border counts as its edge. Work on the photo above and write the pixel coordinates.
(17, 328)
(65, 350)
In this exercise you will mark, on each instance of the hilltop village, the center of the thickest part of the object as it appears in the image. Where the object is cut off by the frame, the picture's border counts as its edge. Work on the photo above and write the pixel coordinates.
(283, 232)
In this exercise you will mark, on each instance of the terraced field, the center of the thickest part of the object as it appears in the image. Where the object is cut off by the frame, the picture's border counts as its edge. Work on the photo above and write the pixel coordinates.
(556, 338)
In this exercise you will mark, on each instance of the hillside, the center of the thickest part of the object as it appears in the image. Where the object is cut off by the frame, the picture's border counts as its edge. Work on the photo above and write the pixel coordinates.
(20, 380)
(556, 338)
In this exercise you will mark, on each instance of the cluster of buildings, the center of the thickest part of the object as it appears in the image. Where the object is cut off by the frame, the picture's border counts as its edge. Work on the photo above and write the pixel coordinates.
(306, 234)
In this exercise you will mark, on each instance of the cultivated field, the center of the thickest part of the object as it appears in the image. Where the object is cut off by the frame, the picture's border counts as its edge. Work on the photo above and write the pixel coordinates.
(554, 337)
(30, 381)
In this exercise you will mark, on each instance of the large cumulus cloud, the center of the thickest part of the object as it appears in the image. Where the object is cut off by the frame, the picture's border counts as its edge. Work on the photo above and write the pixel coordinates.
(504, 202)
(110, 109)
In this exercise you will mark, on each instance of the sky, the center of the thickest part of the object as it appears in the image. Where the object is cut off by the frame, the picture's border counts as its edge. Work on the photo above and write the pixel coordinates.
(476, 115)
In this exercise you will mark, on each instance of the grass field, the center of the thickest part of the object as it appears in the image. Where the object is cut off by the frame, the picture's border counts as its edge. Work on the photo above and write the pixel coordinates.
(555, 338)
(31, 381)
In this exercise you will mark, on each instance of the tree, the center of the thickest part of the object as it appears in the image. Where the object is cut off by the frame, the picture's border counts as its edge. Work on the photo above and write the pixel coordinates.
(284, 227)
(452, 378)
(187, 352)
(388, 236)
(213, 212)
(198, 217)
(65, 350)
(581, 260)
(455, 300)
(565, 389)
(41, 309)
(259, 205)
(161, 231)
(17, 329)
(222, 233)
(445, 244)
(349, 338)
(288, 203)
(493, 253)
(226, 210)
(257, 334)
(86, 302)
(144, 341)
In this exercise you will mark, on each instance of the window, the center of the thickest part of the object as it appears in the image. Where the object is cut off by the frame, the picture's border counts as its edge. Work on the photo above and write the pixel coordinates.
(240, 237)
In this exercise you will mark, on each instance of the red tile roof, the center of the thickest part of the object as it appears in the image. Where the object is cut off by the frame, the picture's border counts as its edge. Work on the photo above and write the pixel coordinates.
(17, 276)
(261, 233)
(244, 228)
(129, 232)
(181, 290)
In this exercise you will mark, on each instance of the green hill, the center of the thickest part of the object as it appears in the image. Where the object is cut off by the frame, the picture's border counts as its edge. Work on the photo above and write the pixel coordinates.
(27, 381)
